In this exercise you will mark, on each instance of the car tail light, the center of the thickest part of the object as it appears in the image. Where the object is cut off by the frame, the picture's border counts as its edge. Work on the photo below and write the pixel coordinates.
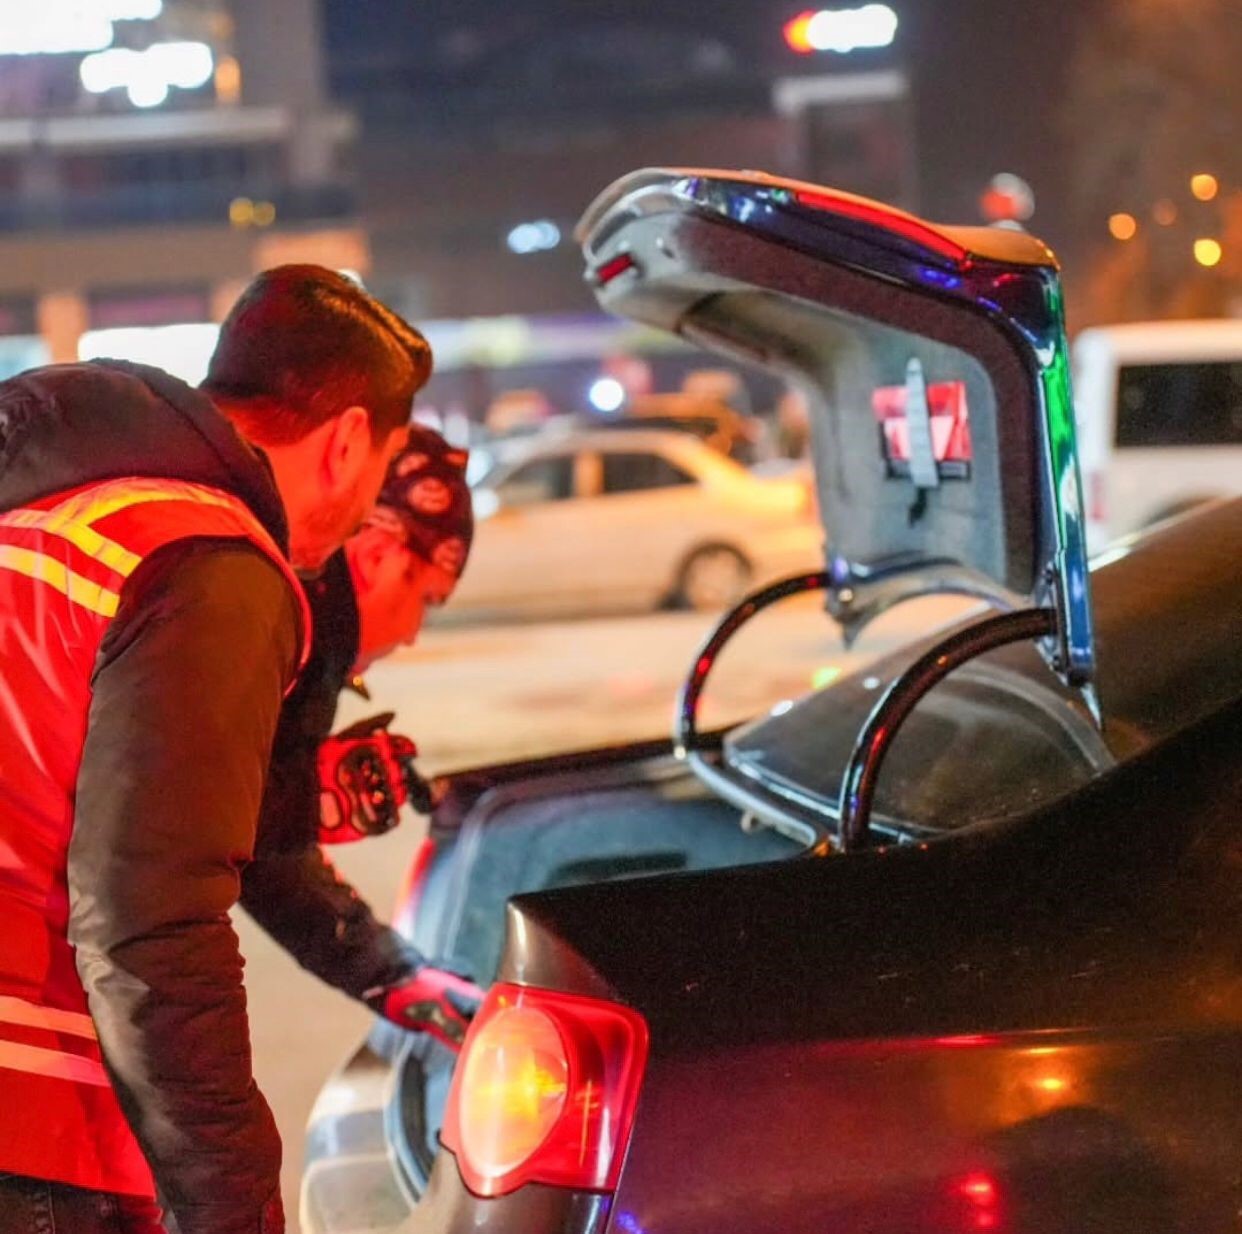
(614, 268)
(979, 1201)
(545, 1091)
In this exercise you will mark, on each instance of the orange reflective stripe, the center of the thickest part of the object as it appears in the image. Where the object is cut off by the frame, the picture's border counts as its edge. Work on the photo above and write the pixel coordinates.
(35, 1060)
(45, 569)
(86, 539)
(113, 496)
(54, 1019)
(73, 519)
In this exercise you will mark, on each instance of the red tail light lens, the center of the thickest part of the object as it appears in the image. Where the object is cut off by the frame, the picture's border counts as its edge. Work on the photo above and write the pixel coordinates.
(614, 268)
(545, 1091)
(979, 1198)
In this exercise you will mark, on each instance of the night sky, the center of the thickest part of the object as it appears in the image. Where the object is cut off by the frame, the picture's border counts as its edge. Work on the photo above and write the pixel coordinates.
(988, 75)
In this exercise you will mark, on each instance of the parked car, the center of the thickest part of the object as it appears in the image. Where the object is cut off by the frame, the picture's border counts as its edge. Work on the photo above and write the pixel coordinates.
(1159, 408)
(610, 520)
(949, 945)
(710, 420)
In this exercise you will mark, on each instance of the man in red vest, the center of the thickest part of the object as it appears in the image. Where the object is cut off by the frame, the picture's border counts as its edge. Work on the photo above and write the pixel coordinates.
(150, 625)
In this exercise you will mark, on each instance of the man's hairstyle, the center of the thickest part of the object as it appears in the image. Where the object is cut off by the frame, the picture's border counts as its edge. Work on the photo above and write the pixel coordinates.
(301, 345)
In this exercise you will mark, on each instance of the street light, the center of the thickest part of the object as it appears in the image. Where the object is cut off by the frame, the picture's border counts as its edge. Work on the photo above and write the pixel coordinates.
(841, 30)
(1122, 226)
(607, 394)
(1208, 252)
(1007, 198)
(536, 237)
(1204, 186)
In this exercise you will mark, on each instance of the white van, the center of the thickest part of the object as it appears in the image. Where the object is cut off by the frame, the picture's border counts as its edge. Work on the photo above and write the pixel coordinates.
(1159, 411)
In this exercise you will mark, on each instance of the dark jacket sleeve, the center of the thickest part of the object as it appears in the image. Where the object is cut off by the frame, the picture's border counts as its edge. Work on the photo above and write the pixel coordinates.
(187, 690)
(291, 889)
(311, 911)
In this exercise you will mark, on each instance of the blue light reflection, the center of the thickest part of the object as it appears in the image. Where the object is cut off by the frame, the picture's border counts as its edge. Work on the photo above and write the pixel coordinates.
(940, 278)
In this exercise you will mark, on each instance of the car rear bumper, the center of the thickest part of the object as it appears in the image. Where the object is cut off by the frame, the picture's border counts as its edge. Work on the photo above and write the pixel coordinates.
(449, 1208)
(351, 1180)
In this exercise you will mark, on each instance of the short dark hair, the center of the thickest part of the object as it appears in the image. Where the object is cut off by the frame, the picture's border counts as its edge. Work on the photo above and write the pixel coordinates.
(304, 343)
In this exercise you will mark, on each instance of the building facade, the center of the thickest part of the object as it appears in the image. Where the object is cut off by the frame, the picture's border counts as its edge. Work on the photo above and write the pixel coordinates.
(154, 156)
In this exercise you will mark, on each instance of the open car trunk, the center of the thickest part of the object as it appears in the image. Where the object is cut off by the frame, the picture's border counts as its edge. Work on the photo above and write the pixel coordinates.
(933, 360)
(609, 816)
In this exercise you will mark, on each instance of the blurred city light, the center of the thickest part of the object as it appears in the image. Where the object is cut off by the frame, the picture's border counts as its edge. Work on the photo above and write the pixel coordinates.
(246, 213)
(126, 10)
(65, 26)
(55, 31)
(1007, 198)
(1208, 252)
(841, 30)
(1164, 212)
(228, 80)
(607, 394)
(183, 350)
(1122, 226)
(147, 76)
(536, 237)
(1204, 186)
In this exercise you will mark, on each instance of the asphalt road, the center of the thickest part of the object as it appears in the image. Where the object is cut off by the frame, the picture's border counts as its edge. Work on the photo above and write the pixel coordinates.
(474, 695)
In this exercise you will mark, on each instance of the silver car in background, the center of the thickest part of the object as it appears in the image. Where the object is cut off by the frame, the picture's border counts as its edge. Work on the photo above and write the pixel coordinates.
(614, 520)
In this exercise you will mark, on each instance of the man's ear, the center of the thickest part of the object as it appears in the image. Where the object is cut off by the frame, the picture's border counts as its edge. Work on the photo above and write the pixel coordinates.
(348, 447)
(368, 550)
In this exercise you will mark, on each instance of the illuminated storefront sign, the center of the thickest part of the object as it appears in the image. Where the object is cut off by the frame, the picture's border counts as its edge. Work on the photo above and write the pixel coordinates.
(147, 76)
(62, 26)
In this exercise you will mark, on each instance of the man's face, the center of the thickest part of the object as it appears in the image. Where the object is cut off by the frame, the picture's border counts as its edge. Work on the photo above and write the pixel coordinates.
(393, 598)
(350, 477)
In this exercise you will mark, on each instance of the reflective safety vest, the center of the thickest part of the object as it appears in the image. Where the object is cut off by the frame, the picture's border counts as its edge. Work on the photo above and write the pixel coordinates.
(63, 565)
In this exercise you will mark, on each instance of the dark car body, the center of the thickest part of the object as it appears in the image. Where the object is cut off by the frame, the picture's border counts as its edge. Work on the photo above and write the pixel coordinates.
(1016, 1007)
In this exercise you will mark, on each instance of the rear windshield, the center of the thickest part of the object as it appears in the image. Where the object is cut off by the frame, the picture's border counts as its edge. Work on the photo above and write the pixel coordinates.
(1180, 404)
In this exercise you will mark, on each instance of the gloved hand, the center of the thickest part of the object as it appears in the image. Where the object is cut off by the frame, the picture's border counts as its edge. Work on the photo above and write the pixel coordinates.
(430, 1001)
(365, 774)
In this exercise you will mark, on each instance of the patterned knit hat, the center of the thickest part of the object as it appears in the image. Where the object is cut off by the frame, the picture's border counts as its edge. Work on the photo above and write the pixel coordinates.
(425, 500)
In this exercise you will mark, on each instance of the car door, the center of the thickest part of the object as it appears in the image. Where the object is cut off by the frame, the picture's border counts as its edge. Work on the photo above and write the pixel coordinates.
(647, 511)
(526, 553)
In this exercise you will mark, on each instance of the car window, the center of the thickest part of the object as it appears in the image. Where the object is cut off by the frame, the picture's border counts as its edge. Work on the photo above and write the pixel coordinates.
(1180, 404)
(631, 473)
(541, 479)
